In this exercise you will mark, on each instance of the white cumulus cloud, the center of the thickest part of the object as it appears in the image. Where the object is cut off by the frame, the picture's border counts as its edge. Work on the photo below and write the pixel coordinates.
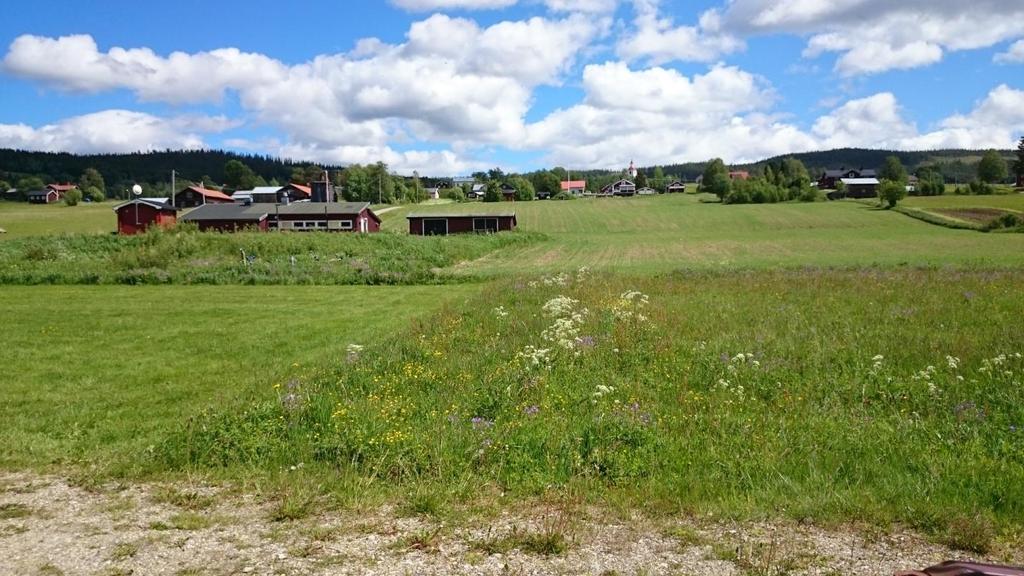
(1013, 55)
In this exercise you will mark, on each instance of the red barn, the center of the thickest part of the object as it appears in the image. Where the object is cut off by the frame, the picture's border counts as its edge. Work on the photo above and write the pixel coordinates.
(135, 216)
(44, 196)
(197, 196)
(444, 224)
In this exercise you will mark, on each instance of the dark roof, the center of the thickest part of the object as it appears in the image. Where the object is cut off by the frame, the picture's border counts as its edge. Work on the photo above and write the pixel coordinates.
(45, 192)
(236, 212)
(148, 202)
(323, 208)
(676, 184)
(469, 215)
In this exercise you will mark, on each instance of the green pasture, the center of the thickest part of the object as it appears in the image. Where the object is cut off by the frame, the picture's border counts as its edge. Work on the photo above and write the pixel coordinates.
(95, 374)
(21, 219)
(1001, 201)
(666, 233)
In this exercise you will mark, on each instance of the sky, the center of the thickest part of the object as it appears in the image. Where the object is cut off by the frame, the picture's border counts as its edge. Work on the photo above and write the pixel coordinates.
(449, 87)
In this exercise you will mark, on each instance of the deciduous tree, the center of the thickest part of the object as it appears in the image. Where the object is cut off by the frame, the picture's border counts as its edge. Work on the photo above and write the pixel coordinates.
(992, 168)
(893, 171)
(716, 179)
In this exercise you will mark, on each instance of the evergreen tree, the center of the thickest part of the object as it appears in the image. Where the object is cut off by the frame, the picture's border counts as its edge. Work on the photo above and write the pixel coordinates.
(1018, 166)
(492, 192)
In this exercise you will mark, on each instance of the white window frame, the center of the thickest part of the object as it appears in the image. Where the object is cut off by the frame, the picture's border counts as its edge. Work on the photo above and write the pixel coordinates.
(346, 225)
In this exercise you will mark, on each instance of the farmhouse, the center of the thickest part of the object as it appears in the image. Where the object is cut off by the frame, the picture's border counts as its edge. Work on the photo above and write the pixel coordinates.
(620, 188)
(44, 196)
(225, 217)
(861, 187)
(61, 189)
(739, 175)
(329, 216)
(444, 224)
(197, 196)
(433, 193)
(828, 178)
(477, 191)
(677, 186)
(574, 187)
(136, 216)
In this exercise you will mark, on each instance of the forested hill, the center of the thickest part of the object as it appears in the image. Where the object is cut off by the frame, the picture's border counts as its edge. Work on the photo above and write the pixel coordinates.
(119, 170)
(139, 166)
(954, 164)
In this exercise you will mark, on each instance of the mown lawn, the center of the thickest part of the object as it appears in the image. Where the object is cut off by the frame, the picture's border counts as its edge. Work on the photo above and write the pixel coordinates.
(666, 233)
(23, 219)
(94, 375)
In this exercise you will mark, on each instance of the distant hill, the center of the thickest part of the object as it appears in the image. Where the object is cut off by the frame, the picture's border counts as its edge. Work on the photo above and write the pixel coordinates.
(121, 170)
(955, 165)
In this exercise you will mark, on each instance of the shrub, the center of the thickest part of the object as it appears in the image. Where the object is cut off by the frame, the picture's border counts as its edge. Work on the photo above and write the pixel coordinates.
(73, 197)
(94, 194)
(891, 192)
(1006, 221)
(980, 188)
(810, 194)
(455, 194)
(563, 195)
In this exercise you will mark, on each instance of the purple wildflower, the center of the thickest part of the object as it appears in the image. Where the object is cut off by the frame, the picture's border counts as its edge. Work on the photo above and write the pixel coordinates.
(585, 342)
(531, 410)
(481, 423)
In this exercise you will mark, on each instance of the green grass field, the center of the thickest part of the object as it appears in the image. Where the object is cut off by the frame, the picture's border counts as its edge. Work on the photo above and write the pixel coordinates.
(1004, 201)
(97, 374)
(742, 381)
(22, 219)
(666, 233)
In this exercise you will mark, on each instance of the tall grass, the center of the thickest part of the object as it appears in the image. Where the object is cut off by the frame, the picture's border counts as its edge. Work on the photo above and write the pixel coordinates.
(184, 256)
(857, 395)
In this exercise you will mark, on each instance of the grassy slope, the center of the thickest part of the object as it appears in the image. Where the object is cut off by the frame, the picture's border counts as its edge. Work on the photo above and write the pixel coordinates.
(645, 235)
(23, 219)
(659, 412)
(98, 371)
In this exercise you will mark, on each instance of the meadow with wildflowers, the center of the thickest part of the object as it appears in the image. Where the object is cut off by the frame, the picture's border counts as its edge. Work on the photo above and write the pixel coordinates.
(865, 395)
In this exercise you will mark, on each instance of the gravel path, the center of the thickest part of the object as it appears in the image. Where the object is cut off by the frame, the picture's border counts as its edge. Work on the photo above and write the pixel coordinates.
(48, 526)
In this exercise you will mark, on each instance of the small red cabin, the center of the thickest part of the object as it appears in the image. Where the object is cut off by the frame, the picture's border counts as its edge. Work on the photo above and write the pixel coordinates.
(444, 224)
(136, 216)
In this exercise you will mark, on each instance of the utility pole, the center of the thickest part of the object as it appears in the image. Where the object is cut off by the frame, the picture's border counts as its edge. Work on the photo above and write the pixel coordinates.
(173, 193)
(379, 201)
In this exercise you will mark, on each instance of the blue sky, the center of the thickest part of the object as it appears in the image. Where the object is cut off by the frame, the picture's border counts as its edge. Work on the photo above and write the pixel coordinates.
(451, 86)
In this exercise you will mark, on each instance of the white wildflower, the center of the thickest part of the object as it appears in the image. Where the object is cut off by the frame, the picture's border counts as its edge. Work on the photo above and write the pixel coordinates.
(535, 357)
(560, 306)
(953, 362)
(500, 312)
(600, 391)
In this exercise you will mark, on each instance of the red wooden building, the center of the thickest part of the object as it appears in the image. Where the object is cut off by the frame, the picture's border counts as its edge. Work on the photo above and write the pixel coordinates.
(329, 216)
(444, 224)
(44, 196)
(294, 217)
(136, 216)
(197, 196)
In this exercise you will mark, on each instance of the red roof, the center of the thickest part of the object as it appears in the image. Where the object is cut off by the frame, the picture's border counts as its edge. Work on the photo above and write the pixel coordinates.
(216, 194)
(739, 174)
(573, 184)
(304, 189)
(62, 187)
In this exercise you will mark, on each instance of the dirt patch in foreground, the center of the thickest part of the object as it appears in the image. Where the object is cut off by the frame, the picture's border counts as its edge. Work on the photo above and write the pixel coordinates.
(48, 526)
(976, 215)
